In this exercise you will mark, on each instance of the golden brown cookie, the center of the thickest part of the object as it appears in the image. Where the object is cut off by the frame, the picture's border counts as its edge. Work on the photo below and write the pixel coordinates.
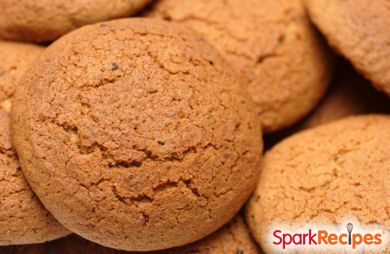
(14, 61)
(234, 238)
(46, 20)
(136, 134)
(23, 219)
(325, 174)
(350, 95)
(359, 30)
(284, 65)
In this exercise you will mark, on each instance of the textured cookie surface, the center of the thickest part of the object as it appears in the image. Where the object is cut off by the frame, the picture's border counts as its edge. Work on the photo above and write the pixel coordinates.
(23, 219)
(46, 20)
(324, 175)
(359, 30)
(15, 59)
(136, 134)
(284, 66)
(231, 239)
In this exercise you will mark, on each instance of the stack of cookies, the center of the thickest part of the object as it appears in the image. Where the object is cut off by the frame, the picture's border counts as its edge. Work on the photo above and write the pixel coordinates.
(140, 126)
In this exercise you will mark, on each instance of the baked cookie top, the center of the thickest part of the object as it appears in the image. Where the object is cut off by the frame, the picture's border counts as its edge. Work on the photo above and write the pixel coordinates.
(359, 30)
(327, 174)
(283, 64)
(153, 142)
(23, 219)
(46, 20)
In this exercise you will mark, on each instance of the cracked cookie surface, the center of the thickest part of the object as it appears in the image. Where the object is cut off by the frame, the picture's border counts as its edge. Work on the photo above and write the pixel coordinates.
(233, 238)
(284, 65)
(324, 175)
(137, 135)
(23, 219)
(46, 20)
(359, 30)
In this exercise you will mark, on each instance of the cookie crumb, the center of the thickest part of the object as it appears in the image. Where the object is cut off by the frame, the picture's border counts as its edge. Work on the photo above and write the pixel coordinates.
(239, 251)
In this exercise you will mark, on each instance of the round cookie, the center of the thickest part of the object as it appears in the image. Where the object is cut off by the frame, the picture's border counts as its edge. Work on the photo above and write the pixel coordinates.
(284, 65)
(359, 30)
(324, 175)
(46, 20)
(233, 238)
(23, 219)
(153, 142)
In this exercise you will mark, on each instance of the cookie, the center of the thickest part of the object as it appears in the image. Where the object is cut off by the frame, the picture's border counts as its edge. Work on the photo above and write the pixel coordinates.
(23, 219)
(359, 30)
(283, 64)
(15, 59)
(153, 142)
(46, 20)
(350, 95)
(324, 175)
(234, 238)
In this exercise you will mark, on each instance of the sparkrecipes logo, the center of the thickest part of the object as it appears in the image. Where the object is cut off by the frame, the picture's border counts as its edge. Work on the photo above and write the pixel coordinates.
(349, 236)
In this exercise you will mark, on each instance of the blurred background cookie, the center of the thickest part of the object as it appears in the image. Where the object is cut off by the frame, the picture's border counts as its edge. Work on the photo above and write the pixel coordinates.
(156, 147)
(283, 64)
(46, 20)
(350, 94)
(233, 238)
(324, 175)
(359, 30)
(15, 59)
(23, 219)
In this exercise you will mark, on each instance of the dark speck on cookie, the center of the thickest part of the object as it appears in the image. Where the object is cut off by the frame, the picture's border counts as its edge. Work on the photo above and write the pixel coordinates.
(114, 66)
(161, 142)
